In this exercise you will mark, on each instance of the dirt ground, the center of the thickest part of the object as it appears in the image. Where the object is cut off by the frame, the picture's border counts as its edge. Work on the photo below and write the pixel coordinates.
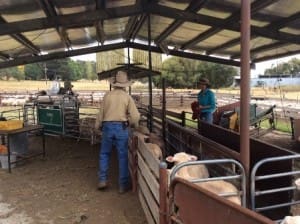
(61, 189)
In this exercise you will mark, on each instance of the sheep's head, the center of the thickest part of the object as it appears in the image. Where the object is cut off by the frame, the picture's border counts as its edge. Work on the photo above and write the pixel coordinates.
(291, 220)
(297, 183)
(181, 157)
(144, 130)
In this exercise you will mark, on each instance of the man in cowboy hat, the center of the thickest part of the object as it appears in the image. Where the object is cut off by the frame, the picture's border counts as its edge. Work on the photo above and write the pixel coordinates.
(206, 100)
(117, 112)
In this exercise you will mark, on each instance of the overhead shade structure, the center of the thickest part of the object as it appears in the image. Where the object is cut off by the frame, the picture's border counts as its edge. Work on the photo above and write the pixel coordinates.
(133, 71)
(33, 31)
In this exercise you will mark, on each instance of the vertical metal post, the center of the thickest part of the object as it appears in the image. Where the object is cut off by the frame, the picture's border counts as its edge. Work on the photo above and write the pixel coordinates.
(128, 68)
(8, 153)
(150, 74)
(163, 119)
(43, 142)
(183, 122)
(245, 86)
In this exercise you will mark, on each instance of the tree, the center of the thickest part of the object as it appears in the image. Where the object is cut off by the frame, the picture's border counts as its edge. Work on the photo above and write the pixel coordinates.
(218, 74)
(35, 71)
(184, 73)
(285, 68)
(91, 70)
(12, 72)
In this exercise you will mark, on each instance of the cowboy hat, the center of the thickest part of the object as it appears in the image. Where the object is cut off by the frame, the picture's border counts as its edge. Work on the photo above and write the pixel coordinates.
(203, 81)
(120, 80)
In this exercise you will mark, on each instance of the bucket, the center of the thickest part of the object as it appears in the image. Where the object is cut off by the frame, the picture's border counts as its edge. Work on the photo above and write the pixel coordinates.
(4, 161)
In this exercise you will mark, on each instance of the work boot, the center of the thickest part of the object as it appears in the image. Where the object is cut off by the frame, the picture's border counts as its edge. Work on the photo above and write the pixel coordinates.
(124, 189)
(102, 185)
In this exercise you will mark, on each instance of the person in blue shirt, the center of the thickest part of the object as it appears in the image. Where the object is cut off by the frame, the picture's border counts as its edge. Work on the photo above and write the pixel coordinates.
(206, 100)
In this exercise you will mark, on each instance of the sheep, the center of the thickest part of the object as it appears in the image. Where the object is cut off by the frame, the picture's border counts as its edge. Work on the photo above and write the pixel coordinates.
(200, 171)
(143, 129)
(155, 150)
(297, 183)
(188, 172)
(154, 138)
(291, 220)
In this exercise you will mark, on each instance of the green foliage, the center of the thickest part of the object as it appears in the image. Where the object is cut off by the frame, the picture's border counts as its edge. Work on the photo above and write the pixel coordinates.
(283, 125)
(66, 69)
(12, 72)
(184, 73)
(290, 67)
(35, 71)
(90, 71)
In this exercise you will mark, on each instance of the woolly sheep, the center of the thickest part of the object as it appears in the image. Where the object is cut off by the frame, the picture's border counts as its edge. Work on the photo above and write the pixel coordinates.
(200, 171)
(155, 150)
(291, 220)
(188, 172)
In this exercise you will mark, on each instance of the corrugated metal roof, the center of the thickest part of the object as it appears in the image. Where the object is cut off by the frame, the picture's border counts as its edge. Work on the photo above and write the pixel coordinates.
(38, 30)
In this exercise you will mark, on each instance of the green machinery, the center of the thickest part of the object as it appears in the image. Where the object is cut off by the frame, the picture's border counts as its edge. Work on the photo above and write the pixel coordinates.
(59, 114)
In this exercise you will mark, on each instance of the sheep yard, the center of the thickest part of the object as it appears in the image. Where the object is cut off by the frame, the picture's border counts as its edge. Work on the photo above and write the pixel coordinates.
(62, 187)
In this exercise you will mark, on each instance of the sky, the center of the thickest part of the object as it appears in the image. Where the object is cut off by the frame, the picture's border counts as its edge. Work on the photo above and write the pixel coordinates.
(260, 67)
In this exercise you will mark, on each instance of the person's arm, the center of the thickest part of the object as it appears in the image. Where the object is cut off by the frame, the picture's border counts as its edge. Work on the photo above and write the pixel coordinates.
(99, 116)
(133, 113)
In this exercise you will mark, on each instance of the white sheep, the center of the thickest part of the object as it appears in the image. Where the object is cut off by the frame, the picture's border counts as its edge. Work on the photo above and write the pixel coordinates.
(155, 150)
(200, 171)
(188, 172)
(143, 129)
(156, 139)
(297, 183)
(291, 220)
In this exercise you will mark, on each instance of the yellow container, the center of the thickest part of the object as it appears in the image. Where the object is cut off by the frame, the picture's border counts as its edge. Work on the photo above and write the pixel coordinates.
(10, 125)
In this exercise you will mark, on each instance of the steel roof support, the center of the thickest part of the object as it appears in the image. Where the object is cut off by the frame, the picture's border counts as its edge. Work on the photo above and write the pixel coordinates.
(50, 11)
(100, 4)
(262, 49)
(277, 56)
(140, 22)
(23, 40)
(255, 7)
(130, 26)
(194, 6)
(150, 75)
(274, 26)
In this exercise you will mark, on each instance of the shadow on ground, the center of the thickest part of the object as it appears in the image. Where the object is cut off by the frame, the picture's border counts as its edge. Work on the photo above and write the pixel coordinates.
(61, 189)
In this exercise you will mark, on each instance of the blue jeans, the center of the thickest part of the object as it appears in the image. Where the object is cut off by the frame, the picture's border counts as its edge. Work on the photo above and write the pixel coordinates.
(114, 134)
(206, 116)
